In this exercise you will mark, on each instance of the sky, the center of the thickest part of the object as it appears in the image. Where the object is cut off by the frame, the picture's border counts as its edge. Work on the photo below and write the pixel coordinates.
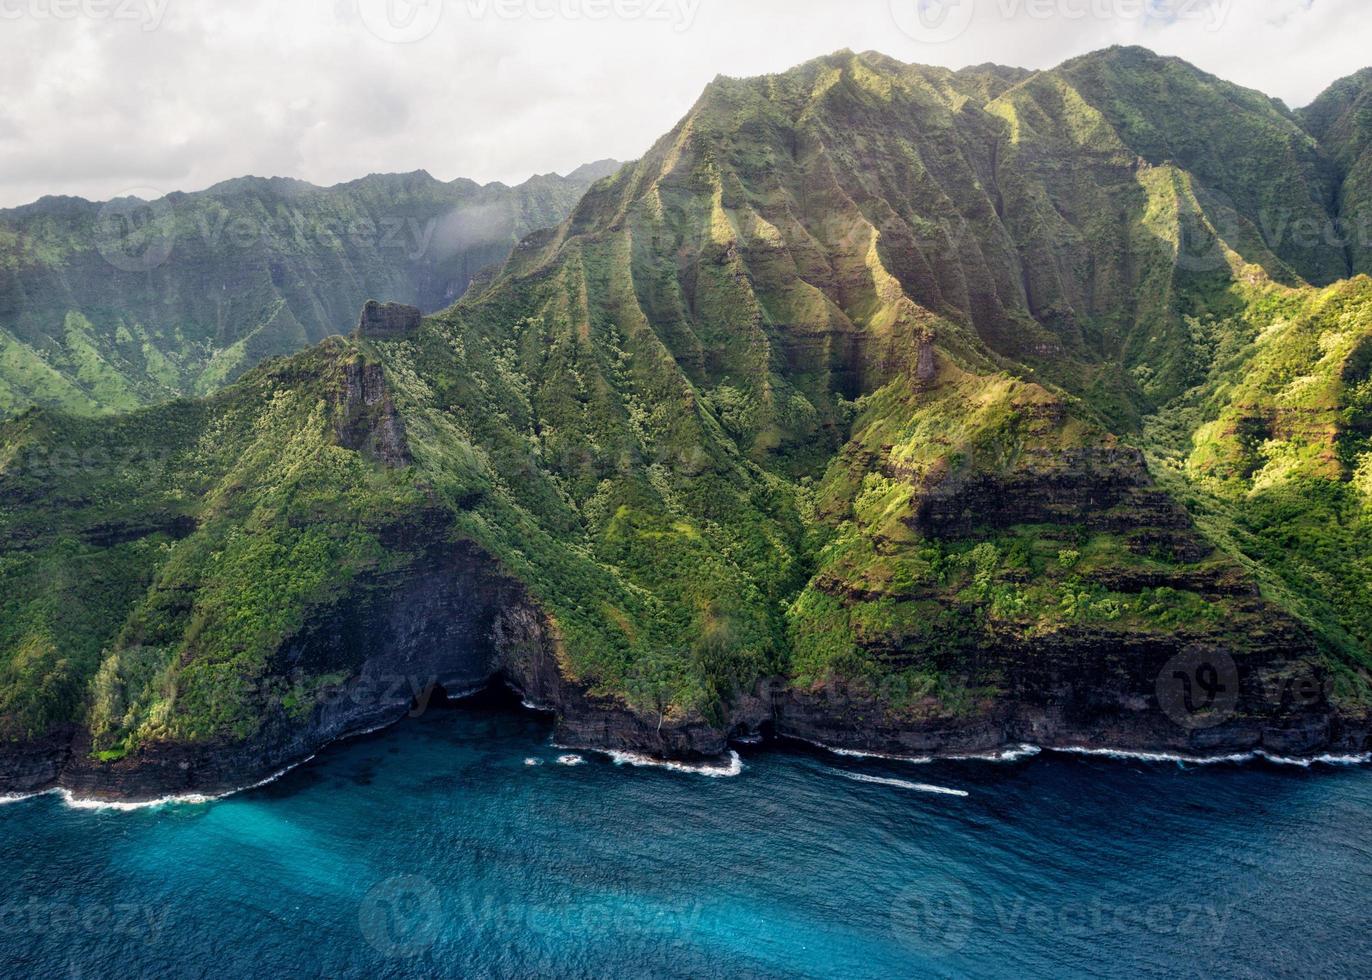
(104, 98)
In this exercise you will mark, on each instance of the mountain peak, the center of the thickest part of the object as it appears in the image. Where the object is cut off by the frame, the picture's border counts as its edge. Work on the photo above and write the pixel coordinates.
(597, 170)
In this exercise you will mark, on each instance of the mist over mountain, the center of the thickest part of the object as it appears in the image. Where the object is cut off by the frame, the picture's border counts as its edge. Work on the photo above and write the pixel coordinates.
(109, 306)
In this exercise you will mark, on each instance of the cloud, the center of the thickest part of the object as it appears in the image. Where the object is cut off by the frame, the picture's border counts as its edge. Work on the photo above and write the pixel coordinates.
(178, 94)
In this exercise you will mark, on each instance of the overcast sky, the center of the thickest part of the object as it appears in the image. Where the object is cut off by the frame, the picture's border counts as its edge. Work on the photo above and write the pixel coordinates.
(106, 97)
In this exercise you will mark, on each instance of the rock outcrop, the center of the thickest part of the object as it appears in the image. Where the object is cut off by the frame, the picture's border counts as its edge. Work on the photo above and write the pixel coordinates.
(387, 321)
(365, 419)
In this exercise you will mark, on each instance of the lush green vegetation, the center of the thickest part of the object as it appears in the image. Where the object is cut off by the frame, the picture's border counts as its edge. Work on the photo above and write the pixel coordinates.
(106, 308)
(868, 376)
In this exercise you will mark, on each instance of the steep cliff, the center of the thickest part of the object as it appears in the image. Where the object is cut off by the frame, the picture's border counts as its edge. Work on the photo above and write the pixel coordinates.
(897, 408)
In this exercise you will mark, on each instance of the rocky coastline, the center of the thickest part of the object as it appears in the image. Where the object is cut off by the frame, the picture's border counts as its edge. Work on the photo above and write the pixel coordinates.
(459, 629)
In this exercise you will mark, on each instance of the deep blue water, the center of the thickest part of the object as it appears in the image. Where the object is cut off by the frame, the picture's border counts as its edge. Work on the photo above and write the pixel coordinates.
(433, 848)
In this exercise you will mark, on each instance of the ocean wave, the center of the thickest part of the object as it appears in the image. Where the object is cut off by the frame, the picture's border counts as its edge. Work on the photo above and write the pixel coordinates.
(8, 798)
(184, 799)
(1131, 755)
(1010, 753)
(918, 760)
(1214, 760)
(570, 760)
(1015, 753)
(1324, 760)
(899, 783)
(733, 768)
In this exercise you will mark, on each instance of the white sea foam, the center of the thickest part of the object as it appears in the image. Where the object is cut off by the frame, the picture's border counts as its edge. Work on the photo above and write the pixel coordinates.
(528, 702)
(1010, 753)
(732, 768)
(182, 799)
(1212, 760)
(533, 762)
(899, 783)
(459, 696)
(570, 760)
(918, 760)
(1324, 760)
(1130, 755)
(188, 799)
(7, 798)
(1014, 753)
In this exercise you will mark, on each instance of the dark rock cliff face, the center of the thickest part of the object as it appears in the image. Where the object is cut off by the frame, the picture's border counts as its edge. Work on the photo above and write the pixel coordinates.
(448, 618)
(531, 666)
(451, 620)
(1100, 488)
(386, 321)
(397, 638)
(1102, 691)
(365, 419)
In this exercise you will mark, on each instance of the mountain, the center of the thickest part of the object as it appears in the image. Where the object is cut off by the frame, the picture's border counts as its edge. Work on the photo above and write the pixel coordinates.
(106, 307)
(895, 408)
(1341, 119)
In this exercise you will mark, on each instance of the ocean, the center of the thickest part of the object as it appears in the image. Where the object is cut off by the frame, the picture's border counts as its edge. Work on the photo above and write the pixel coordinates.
(465, 843)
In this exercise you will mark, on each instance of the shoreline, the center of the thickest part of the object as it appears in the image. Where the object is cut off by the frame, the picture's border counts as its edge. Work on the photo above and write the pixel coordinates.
(1019, 752)
(730, 764)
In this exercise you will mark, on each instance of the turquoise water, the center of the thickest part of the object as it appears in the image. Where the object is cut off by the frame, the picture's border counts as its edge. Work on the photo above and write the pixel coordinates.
(433, 848)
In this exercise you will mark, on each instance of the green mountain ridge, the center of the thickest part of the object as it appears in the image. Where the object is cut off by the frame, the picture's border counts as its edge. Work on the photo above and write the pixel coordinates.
(884, 405)
(108, 306)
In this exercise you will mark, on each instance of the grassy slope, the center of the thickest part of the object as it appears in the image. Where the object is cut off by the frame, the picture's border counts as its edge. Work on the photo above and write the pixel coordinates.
(705, 418)
(1273, 449)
